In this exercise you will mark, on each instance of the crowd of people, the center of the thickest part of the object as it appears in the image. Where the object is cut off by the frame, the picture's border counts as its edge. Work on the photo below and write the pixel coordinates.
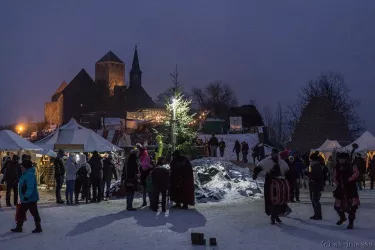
(285, 173)
(90, 181)
(156, 180)
(285, 170)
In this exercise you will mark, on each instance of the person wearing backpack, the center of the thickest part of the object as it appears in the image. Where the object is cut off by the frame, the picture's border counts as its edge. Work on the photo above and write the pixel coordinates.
(82, 178)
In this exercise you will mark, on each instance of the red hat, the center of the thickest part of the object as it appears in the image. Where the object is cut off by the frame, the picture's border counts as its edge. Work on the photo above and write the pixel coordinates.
(284, 154)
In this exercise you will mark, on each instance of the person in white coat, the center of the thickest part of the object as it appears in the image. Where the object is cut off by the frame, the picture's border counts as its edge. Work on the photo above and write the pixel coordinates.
(276, 187)
(82, 178)
(71, 171)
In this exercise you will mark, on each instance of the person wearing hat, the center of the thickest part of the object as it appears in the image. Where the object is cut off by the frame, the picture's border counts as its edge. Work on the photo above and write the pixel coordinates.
(315, 174)
(59, 175)
(276, 187)
(346, 194)
(182, 181)
(109, 171)
(29, 196)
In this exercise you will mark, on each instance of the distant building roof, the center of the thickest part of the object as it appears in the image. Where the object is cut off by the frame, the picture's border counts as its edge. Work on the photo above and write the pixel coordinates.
(110, 57)
(137, 98)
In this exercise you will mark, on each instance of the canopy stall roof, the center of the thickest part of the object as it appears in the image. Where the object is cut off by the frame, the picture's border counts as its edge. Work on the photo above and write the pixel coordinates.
(328, 146)
(76, 138)
(366, 143)
(10, 141)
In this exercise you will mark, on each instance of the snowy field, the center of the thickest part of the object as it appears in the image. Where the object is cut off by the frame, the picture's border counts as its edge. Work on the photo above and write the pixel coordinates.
(241, 225)
(230, 139)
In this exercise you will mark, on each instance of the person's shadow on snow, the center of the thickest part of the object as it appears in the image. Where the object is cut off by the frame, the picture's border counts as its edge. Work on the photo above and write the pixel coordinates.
(365, 233)
(181, 220)
(307, 234)
(99, 222)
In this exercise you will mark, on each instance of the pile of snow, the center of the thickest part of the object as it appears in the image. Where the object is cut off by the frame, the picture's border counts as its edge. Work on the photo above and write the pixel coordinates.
(215, 180)
(220, 180)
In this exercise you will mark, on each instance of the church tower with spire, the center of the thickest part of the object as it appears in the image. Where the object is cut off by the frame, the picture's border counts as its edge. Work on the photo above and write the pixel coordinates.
(135, 74)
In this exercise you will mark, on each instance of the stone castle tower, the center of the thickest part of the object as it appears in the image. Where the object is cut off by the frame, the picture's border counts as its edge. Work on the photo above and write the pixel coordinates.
(110, 71)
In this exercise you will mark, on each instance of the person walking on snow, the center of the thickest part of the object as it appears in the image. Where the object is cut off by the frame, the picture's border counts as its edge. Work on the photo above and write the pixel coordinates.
(182, 181)
(293, 178)
(330, 167)
(237, 149)
(316, 185)
(221, 147)
(12, 174)
(361, 165)
(59, 175)
(276, 187)
(71, 172)
(346, 194)
(371, 172)
(96, 165)
(109, 171)
(29, 196)
(82, 179)
(160, 184)
(245, 151)
(145, 169)
(130, 175)
(213, 143)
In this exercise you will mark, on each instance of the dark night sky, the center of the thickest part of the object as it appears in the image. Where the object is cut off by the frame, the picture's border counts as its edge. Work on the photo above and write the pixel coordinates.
(267, 50)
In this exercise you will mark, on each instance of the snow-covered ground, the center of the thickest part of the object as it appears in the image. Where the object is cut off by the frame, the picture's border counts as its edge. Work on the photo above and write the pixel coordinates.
(230, 139)
(240, 226)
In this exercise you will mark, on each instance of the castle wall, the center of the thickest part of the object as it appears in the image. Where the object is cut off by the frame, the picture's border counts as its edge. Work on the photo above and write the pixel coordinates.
(53, 112)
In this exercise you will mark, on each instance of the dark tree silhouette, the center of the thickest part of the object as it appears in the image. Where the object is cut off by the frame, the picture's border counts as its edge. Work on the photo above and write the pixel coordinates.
(332, 86)
(218, 97)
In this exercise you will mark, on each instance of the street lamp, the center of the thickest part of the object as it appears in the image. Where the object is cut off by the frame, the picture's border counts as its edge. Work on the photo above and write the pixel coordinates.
(173, 127)
(19, 129)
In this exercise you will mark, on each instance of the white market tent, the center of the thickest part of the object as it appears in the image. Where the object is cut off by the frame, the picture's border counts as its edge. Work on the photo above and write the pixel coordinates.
(10, 141)
(327, 148)
(366, 143)
(73, 137)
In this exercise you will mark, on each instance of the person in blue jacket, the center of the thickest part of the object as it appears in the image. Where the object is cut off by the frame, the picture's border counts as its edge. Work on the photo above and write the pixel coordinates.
(29, 196)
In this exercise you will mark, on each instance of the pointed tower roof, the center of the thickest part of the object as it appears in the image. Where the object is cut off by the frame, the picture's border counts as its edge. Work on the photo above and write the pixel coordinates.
(110, 57)
(61, 88)
(135, 65)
